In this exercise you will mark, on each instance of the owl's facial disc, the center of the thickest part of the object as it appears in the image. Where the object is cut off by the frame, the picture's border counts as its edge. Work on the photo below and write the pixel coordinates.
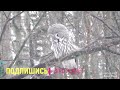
(56, 39)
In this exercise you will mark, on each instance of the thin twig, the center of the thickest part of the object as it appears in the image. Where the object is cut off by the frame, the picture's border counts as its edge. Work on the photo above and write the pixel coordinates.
(12, 60)
(16, 16)
(9, 14)
(114, 16)
(104, 24)
(7, 21)
(5, 15)
(71, 23)
(111, 51)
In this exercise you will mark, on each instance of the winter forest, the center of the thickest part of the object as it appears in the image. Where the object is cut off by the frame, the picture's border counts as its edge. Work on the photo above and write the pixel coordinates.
(25, 43)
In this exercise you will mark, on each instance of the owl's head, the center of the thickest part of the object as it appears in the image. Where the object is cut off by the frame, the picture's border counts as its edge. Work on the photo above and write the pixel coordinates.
(58, 33)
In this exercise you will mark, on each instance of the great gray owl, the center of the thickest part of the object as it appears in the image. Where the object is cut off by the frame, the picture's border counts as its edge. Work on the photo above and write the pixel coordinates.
(62, 43)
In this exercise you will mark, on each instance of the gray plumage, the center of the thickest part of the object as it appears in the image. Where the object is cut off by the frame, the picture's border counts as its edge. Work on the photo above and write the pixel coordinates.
(62, 43)
(62, 40)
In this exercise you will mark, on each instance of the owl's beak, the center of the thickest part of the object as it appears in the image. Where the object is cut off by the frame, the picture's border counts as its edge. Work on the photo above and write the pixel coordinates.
(58, 40)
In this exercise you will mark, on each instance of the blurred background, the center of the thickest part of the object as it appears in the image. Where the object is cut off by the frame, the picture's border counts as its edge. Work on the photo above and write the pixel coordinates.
(24, 40)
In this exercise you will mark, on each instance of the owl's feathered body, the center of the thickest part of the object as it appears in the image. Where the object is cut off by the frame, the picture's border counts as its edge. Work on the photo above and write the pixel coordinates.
(63, 48)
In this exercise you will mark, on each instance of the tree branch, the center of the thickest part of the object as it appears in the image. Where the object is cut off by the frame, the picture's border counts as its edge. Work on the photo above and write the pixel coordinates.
(5, 15)
(17, 55)
(7, 21)
(73, 55)
(105, 24)
(71, 23)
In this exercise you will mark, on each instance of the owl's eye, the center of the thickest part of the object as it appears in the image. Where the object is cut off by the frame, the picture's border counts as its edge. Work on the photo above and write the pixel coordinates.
(57, 35)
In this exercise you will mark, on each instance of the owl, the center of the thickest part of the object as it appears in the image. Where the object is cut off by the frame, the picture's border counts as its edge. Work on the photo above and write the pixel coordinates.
(62, 43)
